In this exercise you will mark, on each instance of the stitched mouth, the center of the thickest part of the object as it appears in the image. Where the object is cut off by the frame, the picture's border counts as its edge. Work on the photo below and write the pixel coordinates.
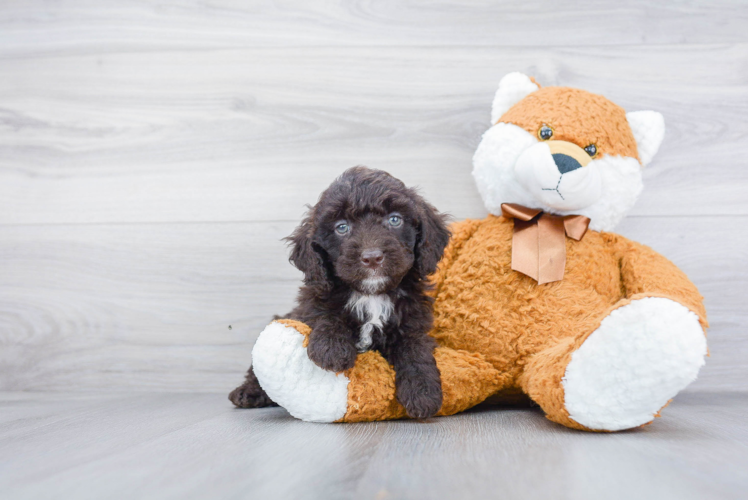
(556, 188)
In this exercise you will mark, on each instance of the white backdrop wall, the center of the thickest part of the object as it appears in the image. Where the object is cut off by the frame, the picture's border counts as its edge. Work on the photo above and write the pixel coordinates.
(153, 154)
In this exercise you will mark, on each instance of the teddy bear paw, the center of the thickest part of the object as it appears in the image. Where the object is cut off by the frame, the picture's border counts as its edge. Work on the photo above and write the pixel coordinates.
(292, 380)
(628, 369)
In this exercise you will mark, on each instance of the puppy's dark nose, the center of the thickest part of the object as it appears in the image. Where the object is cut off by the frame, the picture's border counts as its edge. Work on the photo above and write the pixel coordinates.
(372, 258)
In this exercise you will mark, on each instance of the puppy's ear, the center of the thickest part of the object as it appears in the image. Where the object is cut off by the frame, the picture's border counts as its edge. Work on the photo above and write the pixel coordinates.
(307, 255)
(433, 237)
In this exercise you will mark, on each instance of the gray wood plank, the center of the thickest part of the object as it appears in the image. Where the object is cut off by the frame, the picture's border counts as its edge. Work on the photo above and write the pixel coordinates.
(501, 453)
(148, 306)
(138, 305)
(104, 421)
(115, 25)
(254, 134)
(196, 446)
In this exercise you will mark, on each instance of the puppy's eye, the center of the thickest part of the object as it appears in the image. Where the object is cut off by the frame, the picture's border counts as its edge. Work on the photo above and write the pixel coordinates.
(342, 227)
(545, 132)
(591, 150)
(395, 220)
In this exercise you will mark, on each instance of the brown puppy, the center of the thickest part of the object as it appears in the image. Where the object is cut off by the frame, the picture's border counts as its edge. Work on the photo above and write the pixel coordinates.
(366, 249)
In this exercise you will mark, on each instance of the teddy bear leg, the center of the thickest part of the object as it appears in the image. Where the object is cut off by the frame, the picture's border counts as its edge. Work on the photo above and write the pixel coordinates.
(366, 392)
(624, 372)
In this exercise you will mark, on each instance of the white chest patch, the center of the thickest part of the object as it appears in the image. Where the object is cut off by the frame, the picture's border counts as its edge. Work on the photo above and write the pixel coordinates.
(373, 311)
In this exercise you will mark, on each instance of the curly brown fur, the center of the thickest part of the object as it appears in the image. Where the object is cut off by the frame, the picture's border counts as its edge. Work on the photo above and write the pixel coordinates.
(250, 394)
(366, 249)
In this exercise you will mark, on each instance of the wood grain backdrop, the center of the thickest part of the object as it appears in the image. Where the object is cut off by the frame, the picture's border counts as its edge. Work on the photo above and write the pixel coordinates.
(153, 153)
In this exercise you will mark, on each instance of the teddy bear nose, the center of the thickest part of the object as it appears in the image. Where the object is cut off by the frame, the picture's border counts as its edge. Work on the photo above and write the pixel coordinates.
(565, 163)
(568, 156)
(372, 258)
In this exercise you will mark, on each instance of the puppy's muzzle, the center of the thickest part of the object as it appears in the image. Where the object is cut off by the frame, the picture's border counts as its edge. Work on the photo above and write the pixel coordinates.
(372, 258)
(568, 156)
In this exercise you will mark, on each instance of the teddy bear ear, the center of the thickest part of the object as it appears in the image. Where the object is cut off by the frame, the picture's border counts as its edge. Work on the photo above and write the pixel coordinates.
(512, 89)
(649, 129)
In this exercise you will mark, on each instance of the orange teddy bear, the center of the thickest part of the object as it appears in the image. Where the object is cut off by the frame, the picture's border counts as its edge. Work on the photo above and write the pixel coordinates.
(537, 298)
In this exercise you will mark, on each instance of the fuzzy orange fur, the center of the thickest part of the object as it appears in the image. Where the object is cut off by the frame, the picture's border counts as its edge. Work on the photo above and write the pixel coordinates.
(576, 116)
(371, 391)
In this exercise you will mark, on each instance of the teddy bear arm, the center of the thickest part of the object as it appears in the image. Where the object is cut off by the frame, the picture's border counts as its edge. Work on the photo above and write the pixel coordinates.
(646, 273)
(365, 392)
(467, 379)
(461, 232)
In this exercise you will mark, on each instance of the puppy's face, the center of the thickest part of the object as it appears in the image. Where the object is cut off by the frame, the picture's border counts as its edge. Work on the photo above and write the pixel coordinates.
(369, 231)
(371, 250)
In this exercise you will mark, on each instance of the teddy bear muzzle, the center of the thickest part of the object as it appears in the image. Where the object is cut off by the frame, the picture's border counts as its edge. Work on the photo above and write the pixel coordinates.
(560, 175)
(568, 156)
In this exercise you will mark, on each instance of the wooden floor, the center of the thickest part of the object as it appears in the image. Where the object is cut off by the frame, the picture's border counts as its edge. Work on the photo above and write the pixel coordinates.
(182, 446)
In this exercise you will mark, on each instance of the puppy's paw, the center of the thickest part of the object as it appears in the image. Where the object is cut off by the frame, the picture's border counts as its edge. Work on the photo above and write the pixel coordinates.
(333, 353)
(420, 394)
(250, 396)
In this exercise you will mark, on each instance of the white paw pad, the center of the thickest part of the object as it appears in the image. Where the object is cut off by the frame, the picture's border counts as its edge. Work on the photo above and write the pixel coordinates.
(293, 381)
(639, 358)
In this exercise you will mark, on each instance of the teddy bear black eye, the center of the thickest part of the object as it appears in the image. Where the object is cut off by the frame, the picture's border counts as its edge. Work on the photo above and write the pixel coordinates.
(545, 132)
(591, 150)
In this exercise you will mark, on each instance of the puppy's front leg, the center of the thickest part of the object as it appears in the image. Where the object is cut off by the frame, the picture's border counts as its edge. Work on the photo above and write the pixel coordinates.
(418, 384)
(331, 345)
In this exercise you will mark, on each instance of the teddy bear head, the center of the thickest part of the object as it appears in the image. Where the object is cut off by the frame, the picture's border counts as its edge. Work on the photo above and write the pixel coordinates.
(564, 151)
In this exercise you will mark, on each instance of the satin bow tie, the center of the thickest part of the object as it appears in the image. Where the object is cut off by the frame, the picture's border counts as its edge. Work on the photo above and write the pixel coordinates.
(539, 241)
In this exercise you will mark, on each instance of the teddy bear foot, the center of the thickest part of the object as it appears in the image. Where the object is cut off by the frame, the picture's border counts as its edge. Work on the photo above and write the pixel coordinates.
(292, 380)
(628, 369)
